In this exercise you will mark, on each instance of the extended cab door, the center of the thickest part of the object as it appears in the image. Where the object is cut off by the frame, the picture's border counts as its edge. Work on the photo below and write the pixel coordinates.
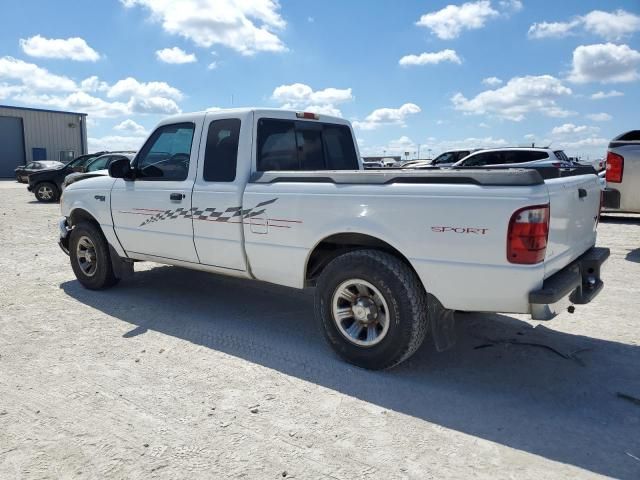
(223, 171)
(152, 213)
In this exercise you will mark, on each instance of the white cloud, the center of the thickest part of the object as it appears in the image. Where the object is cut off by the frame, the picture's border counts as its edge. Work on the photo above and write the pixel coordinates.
(552, 29)
(299, 93)
(175, 55)
(301, 96)
(449, 22)
(33, 76)
(530, 136)
(115, 142)
(513, 5)
(74, 48)
(593, 145)
(484, 125)
(131, 86)
(492, 81)
(611, 26)
(520, 96)
(30, 84)
(387, 116)
(212, 66)
(605, 63)
(427, 58)
(78, 102)
(246, 26)
(571, 129)
(131, 127)
(599, 117)
(93, 84)
(608, 25)
(610, 94)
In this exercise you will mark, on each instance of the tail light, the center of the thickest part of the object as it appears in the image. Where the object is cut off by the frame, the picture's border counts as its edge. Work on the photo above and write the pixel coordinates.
(528, 234)
(615, 167)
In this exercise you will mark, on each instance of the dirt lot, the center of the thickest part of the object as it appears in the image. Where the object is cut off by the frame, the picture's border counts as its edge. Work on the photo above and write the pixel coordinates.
(181, 374)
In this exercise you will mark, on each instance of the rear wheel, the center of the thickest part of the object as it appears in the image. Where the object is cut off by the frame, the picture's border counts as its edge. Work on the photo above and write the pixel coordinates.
(46, 192)
(372, 307)
(90, 259)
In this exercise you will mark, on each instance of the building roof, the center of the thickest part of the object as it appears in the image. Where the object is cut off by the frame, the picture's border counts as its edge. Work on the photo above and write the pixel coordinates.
(41, 110)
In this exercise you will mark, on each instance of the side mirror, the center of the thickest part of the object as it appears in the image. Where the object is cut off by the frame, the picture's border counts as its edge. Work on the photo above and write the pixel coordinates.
(121, 168)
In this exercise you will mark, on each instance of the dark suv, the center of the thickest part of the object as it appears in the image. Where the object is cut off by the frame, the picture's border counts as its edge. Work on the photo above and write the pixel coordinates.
(47, 185)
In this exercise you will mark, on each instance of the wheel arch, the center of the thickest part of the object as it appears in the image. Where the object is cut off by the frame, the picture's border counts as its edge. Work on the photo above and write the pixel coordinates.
(78, 215)
(336, 244)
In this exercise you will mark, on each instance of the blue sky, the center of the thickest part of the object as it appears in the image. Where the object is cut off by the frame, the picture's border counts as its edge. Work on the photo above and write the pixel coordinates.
(430, 73)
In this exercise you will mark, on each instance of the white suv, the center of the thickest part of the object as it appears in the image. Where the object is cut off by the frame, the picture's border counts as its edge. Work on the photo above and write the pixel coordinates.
(515, 157)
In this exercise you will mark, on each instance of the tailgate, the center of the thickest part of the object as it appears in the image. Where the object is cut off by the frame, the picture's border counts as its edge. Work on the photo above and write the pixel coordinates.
(575, 203)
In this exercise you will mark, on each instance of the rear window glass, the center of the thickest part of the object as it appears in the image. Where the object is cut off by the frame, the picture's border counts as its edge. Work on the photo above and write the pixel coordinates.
(560, 155)
(295, 145)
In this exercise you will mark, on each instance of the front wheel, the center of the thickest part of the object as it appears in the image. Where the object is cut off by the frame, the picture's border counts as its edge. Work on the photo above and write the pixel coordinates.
(372, 307)
(46, 192)
(90, 259)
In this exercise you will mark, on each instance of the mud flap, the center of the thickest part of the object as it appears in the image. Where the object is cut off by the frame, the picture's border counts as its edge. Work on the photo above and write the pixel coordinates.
(122, 268)
(443, 324)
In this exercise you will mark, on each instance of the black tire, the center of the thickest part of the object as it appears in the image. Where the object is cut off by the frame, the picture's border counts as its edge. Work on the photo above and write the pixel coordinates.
(101, 276)
(405, 298)
(46, 192)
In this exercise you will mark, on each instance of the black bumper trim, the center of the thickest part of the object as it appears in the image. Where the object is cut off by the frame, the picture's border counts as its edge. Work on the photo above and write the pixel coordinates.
(580, 280)
(611, 198)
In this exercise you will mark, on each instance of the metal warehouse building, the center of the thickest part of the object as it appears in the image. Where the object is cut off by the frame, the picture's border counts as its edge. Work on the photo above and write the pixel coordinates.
(28, 134)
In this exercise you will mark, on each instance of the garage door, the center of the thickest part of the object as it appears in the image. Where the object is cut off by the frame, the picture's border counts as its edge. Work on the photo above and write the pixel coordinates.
(11, 145)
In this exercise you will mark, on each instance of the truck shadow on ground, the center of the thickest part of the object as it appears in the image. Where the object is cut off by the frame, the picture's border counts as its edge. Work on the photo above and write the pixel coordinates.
(626, 220)
(559, 400)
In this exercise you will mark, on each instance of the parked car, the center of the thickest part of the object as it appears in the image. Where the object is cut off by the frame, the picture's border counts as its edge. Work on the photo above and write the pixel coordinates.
(96, 167)
(623, 173)
(47, 185)
(250, 201)
(23, 172)
(372, 164)
(447, 159)
(515, 157)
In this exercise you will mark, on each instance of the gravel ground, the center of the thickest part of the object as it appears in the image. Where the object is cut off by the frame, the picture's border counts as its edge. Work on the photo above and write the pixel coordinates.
(182, 374)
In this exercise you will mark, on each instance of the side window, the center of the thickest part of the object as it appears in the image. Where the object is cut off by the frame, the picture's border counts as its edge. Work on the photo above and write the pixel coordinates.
(340, 150)
(99, 163)
(480, 160)
(166, 154)
(461, 155)
(277, 145)
(221, 154)
(288, 145)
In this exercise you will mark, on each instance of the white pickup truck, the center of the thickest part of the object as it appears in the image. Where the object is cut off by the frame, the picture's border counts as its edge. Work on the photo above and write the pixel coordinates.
(281, 197)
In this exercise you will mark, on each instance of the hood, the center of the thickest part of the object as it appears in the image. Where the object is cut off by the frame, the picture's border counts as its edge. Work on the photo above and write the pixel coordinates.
(77, 176)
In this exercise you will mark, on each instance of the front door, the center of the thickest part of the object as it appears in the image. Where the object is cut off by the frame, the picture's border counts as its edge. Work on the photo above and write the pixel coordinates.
(152, 213)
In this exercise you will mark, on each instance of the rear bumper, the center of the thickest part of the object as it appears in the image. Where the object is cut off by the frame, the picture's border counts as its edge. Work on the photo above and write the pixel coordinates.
(577, 283)
(611, 199)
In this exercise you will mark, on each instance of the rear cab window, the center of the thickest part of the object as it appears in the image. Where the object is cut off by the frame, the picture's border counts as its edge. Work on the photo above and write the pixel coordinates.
(221, 152)
(299, 145)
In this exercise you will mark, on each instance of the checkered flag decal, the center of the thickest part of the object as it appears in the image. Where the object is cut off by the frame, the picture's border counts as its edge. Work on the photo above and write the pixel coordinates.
(210, 214)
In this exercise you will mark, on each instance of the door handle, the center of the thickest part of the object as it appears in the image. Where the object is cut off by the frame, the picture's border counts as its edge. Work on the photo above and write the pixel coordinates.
(582, 193)
(176, 196)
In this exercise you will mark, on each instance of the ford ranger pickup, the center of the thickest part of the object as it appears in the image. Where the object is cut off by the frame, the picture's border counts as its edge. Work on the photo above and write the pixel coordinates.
(282, 197)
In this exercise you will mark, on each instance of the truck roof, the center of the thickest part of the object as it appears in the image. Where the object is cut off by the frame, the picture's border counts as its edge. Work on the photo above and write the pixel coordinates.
(266, 112)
